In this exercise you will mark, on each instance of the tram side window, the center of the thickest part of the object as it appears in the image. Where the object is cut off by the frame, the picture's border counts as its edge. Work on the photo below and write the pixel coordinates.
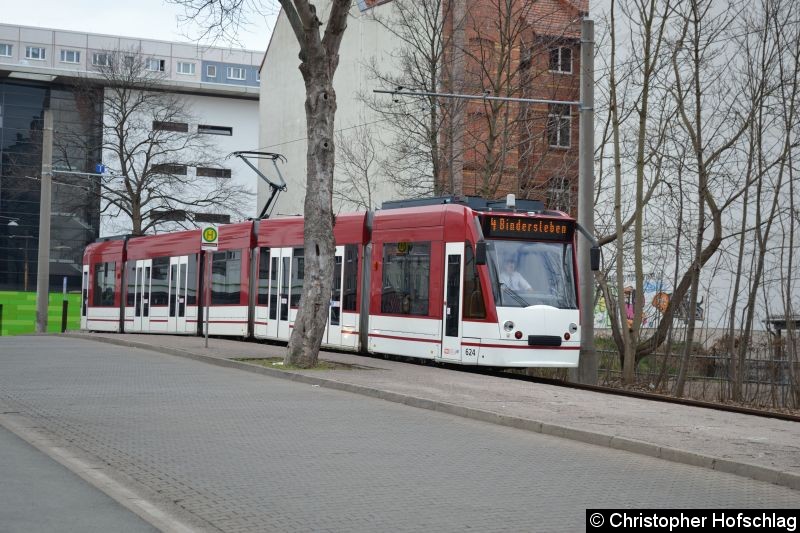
(226, 278)
(130, 279)
(104, 284)
(191, 280)
(159, 283)
(263, 276)
(350, 277)
(473, 295)
(406, 278)
(298, 275)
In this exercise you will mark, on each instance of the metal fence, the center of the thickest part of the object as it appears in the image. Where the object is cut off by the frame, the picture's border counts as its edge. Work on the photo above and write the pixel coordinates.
(766, 382)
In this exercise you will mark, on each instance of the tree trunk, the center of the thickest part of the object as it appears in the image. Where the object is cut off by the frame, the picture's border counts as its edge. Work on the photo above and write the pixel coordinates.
(692, 307)
(312, 315)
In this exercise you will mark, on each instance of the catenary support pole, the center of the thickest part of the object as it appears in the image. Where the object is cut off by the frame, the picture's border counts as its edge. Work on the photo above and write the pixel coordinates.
(43, 267)
(587, 371)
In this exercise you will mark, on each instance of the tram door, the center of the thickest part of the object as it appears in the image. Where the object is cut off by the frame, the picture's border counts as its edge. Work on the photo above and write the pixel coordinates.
(141, 295)
(84, 296)
(280, 260)
(334, 330)
(451, 321)
(177, 294)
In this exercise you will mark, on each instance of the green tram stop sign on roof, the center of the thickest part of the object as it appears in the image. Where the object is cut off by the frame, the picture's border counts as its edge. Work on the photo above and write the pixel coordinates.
(209, 236)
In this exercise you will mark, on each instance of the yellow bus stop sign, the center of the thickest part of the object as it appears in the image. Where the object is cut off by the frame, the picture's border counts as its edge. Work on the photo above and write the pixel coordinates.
(210, 237)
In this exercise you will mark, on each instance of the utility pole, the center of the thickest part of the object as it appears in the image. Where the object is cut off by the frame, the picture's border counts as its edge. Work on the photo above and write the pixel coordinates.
(587, 371)
(43, 267)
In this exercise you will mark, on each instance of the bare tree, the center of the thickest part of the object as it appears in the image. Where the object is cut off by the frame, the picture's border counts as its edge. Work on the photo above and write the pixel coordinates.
(319, 57)
(359, 172)
(771, 141)
(416, 158)
(150, 150)
(637, 128)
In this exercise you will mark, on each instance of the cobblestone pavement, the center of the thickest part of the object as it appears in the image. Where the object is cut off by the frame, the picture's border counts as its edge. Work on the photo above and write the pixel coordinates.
(39, 495)
(251, 453)
(744, 439)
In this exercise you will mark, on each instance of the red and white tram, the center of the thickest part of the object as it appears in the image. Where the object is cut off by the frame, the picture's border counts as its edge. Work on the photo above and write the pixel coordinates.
(451, 280)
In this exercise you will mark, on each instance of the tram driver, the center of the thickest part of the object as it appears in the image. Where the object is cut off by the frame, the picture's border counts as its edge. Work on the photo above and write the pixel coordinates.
(513, 279)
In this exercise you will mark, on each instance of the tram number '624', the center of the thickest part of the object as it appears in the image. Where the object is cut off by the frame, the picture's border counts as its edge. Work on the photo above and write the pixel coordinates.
(470, 352)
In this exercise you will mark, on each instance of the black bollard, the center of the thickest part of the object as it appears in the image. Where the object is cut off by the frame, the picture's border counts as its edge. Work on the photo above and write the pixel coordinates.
(64, 307)
(1, 320)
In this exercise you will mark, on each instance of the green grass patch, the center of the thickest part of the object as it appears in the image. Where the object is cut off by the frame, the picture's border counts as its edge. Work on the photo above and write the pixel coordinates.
(277, 362)
(19, 312)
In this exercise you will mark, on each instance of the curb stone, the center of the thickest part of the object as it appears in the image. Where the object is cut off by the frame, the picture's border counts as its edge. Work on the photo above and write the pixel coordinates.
(142, 501)
(759, 473)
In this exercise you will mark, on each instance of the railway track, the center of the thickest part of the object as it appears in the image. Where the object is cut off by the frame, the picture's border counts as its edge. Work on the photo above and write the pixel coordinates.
(632, 394)
(487, 371)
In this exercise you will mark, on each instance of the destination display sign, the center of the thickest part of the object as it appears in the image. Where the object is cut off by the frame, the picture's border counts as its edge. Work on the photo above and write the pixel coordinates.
(533, 229)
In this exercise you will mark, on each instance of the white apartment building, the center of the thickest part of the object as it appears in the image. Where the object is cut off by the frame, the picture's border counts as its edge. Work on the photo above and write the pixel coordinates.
(220, 86)
(282, 103)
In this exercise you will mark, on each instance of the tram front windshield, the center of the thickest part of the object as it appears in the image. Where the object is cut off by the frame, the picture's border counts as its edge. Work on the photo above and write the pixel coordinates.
(532, 273)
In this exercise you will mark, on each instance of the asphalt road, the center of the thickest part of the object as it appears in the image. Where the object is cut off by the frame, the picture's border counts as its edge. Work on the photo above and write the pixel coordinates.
(246, 452)
(38, 494)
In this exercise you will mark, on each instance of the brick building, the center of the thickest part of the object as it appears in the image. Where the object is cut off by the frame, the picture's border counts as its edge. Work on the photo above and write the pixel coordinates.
(523, 49)
(516, 48)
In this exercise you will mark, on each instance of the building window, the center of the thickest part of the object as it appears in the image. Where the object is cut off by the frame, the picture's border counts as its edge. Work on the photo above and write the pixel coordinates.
(169, 215)
(35, 52)
(211, 71)
(226, 278)
(6, 49)
(209, 172)
(185, 68)
(559, 126)
(101, 59)
(212, 218)
(70, 56)
(559, 194)
(350, 277)
(214, 130)
(159, 125)
(154, 65)
(236, 73)
(258, 76)
(561, 60)
(473, 293)
(406, 278)
(169, 168)
(104, 283)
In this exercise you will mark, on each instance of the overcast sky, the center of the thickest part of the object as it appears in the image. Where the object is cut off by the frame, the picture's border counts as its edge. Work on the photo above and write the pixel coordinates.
(149, 19)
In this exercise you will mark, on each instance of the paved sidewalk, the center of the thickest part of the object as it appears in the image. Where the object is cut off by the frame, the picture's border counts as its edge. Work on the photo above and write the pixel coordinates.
(38, 494)
(759, 448)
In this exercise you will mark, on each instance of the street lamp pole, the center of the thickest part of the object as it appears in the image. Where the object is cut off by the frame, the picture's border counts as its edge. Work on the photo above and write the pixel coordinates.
(43, 266)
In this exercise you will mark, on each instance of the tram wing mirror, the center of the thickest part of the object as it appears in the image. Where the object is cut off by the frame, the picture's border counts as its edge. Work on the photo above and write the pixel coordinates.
(480, 253)
(594, 258)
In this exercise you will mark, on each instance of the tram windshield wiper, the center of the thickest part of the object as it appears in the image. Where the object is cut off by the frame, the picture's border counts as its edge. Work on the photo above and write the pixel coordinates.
(515, 295)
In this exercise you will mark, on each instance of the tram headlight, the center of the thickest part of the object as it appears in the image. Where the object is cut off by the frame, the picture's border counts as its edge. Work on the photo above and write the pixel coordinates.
(508, 326)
